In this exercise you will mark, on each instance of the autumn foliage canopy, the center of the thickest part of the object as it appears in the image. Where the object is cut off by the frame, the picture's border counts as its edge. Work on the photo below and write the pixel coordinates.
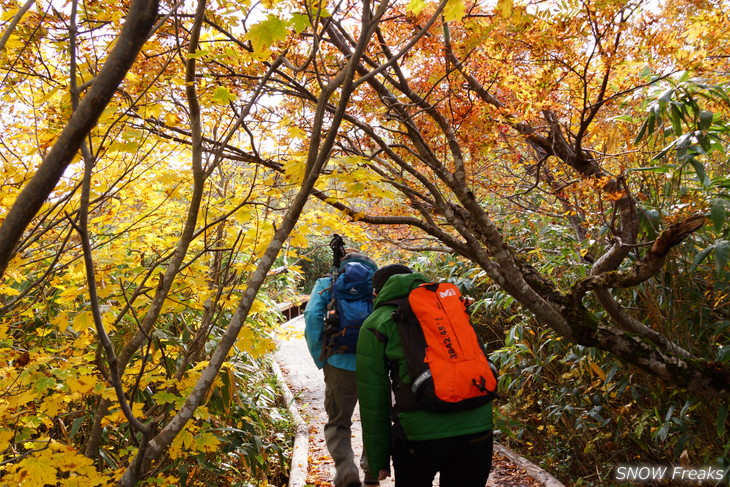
(161, 159)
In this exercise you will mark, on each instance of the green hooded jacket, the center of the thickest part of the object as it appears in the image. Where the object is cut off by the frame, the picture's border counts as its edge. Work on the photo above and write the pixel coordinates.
(377, 347)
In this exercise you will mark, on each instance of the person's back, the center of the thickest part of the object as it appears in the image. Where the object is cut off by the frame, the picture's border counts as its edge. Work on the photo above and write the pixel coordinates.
(336, 355)
(317, 307)
(458, 445)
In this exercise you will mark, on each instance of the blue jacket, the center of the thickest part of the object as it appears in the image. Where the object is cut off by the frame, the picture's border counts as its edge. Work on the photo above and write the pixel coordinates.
(314, 321)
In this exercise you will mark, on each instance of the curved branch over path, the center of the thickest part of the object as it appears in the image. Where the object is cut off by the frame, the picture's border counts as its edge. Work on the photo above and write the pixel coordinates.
(140, 20)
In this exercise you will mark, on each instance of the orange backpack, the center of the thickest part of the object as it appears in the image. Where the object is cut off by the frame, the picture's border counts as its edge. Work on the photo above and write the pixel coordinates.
(447, 364)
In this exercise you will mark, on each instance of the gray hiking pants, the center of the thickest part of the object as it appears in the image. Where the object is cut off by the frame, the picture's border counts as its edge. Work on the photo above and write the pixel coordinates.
(340, 398)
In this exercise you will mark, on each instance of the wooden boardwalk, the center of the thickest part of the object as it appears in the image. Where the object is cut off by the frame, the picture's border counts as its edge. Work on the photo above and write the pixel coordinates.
(315, 466)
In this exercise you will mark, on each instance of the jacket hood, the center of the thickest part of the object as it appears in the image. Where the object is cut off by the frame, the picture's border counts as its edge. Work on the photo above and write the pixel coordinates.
(398, 286)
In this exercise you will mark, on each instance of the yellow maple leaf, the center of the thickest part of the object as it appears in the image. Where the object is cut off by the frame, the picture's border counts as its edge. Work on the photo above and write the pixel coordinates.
(454, 10)
(181, 442)
(298, 239)
(8, 14)
(258, 306)
(82, 322)
(82, 384)
(54, 404)
(206, 442)
(262, 347)
(14, 42)
(245, 338)
(504, 7)
(8, 291)
(24, 397)
(294, 169)
(37, 470)
(5, 437)
(416, 6)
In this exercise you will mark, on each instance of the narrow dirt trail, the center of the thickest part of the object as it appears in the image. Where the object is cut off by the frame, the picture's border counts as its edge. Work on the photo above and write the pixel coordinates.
(307, 385)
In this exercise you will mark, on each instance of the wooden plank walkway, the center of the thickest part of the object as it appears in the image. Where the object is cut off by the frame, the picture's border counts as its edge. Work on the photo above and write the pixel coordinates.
(315, 466)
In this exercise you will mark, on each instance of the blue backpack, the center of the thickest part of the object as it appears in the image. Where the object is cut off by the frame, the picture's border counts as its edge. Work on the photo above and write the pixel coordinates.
(351, 303)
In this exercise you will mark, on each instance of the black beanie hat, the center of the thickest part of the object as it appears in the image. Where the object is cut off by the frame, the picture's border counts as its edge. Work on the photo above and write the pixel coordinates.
(382, 274)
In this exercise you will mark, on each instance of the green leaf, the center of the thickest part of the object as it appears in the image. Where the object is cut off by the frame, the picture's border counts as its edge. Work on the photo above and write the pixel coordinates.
(654, 119)
(676, 119)
(76, 425)
(646, 72)
(700, 171)
(623, 118)
(684, 141)
(722, 255)
(705, 143)
(642, 131)
(721, 420)
(300, 22)
(223, 96)
(267, 32)
(164, 397)
(705, 120)
(198, 54)
(44, 383)
(664, 151)
(663, 169)
(649, 221)
(701, 255)
(666, 95)
(718, 213)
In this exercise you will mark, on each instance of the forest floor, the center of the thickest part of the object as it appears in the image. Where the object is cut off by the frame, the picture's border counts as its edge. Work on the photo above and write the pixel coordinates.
(307, 386)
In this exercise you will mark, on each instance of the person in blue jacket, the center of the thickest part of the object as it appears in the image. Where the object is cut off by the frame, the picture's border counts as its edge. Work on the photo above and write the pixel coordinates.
(340, 382)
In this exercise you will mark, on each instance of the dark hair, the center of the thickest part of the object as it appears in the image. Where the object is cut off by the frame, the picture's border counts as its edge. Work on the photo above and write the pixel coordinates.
(382, 274)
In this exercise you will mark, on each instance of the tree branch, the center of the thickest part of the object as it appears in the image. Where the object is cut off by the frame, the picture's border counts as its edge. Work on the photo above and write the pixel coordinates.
(141, 16)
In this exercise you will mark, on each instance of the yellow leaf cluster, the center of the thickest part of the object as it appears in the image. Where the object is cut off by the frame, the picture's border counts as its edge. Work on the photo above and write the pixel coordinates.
(54, 464)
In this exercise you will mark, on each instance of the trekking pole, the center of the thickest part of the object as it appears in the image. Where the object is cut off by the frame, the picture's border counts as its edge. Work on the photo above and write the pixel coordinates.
(337, 244)
(331, 317)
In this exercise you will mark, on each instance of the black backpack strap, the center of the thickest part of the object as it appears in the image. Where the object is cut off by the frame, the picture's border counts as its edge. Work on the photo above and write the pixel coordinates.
(378, 336)
(395, 301)
(405, 398)
(401, 308)
(331, 324)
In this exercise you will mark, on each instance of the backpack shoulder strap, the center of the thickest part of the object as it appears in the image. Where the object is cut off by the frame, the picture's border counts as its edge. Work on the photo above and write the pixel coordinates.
(395, 301)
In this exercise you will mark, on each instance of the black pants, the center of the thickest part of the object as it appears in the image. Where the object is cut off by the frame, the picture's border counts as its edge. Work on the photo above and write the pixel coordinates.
(462, 461)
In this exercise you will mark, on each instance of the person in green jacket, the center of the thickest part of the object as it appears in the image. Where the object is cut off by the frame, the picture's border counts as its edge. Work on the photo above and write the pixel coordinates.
(457, 445)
